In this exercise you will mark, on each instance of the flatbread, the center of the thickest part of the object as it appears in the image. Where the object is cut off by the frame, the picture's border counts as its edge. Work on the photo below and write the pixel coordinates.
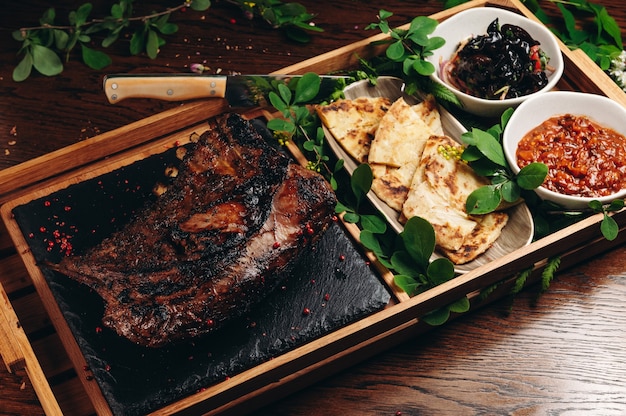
(397, 148)
(403, 131)
(354, 123)
(451, 225)
(392, 184)
(416, 169)
(488, 229)
(438, 191)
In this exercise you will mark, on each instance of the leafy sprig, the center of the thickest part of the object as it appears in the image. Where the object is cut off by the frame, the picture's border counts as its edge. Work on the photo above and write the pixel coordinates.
(602, 42)
(292, 99)
(408, 254)
(485, 155)
(45, 47)
(608, 225)
(293, 18)
(405, 55)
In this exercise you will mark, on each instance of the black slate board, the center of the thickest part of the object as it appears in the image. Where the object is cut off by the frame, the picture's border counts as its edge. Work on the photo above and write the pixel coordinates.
(333, 281)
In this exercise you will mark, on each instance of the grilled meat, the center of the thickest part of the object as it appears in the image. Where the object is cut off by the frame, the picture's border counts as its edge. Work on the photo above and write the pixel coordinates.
(222, 236)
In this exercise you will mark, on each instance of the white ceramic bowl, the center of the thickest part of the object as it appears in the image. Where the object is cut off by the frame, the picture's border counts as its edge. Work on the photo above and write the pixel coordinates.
(539, 108)
(474, 22)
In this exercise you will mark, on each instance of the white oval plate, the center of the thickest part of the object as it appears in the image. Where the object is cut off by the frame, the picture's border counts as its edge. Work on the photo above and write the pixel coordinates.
(516, 234)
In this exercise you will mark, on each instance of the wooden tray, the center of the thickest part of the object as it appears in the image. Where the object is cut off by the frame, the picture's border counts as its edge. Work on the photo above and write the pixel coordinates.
(52, 357)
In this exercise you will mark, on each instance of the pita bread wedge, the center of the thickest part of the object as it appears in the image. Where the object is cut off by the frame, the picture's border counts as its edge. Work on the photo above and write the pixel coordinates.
(403, 131)
(397, 147)
(451, 225)
(488, 229)
(438, 193)
(353, 123)
(450, 177)
(392, 184)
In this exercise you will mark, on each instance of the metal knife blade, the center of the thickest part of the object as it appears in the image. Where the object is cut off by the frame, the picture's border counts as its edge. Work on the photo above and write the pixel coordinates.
(238, 90)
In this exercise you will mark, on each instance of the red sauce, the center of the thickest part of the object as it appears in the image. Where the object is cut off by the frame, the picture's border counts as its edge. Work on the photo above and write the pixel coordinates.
(583, 157)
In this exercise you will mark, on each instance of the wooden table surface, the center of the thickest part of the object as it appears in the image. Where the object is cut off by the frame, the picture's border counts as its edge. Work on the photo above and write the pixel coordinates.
(564, 353)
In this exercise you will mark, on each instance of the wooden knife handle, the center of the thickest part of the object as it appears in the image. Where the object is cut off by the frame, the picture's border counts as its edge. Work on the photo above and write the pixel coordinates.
(164, 87)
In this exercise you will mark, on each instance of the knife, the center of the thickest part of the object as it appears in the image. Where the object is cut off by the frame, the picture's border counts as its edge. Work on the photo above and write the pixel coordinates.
(239, 90)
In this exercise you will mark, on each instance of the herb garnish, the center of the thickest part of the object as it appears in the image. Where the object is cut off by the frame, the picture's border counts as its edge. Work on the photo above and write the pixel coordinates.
(485, 155)
(46, 46)
(405, 55)
(407, 255)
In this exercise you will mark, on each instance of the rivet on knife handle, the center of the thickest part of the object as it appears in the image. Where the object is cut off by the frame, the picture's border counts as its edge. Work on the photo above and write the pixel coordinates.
(170, 88)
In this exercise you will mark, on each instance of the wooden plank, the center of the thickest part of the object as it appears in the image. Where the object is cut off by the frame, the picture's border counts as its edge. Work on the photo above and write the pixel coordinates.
(16, 350)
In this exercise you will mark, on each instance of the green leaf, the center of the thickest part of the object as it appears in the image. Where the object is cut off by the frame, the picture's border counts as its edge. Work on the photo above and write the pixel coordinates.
(440, 270)
(79, 17)
(419, 240)
(95, 59)
(423, 67)
(609, 25)
(285, 93)
(117, 11)
(489, 146)
(483, 200)
(460, 306)
(152, 44)
(361, 181)
(308, 145)
(406, 283)
(109, 40)
(351, 217)
(137, 41)
(61, 39)
(18, 35)
(510, 191)
(168, 28)
(616, 205)
(575, 36)
(396, 51)
(470, 153)
(402, 263)
(437, 317)
(279, 124)
(596, 205)
(435, 42)
(307, 88)
(46, 61)
(384, 14)
(48, 17)
(23, 69)
(373, 223)
(278, 103)
(547, 275)
(200, 5)
(504, 118)
(532, 175)
(609, 228)
(422, 24)
(370, 242)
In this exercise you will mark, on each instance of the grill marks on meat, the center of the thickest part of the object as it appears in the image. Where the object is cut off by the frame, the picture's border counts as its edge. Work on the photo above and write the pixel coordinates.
(214, 244)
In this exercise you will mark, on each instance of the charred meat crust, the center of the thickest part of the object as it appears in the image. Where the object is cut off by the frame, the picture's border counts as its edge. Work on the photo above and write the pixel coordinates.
(228, 228)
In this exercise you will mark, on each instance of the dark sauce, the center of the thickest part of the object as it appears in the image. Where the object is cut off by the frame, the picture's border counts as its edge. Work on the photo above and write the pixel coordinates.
(506, 62)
